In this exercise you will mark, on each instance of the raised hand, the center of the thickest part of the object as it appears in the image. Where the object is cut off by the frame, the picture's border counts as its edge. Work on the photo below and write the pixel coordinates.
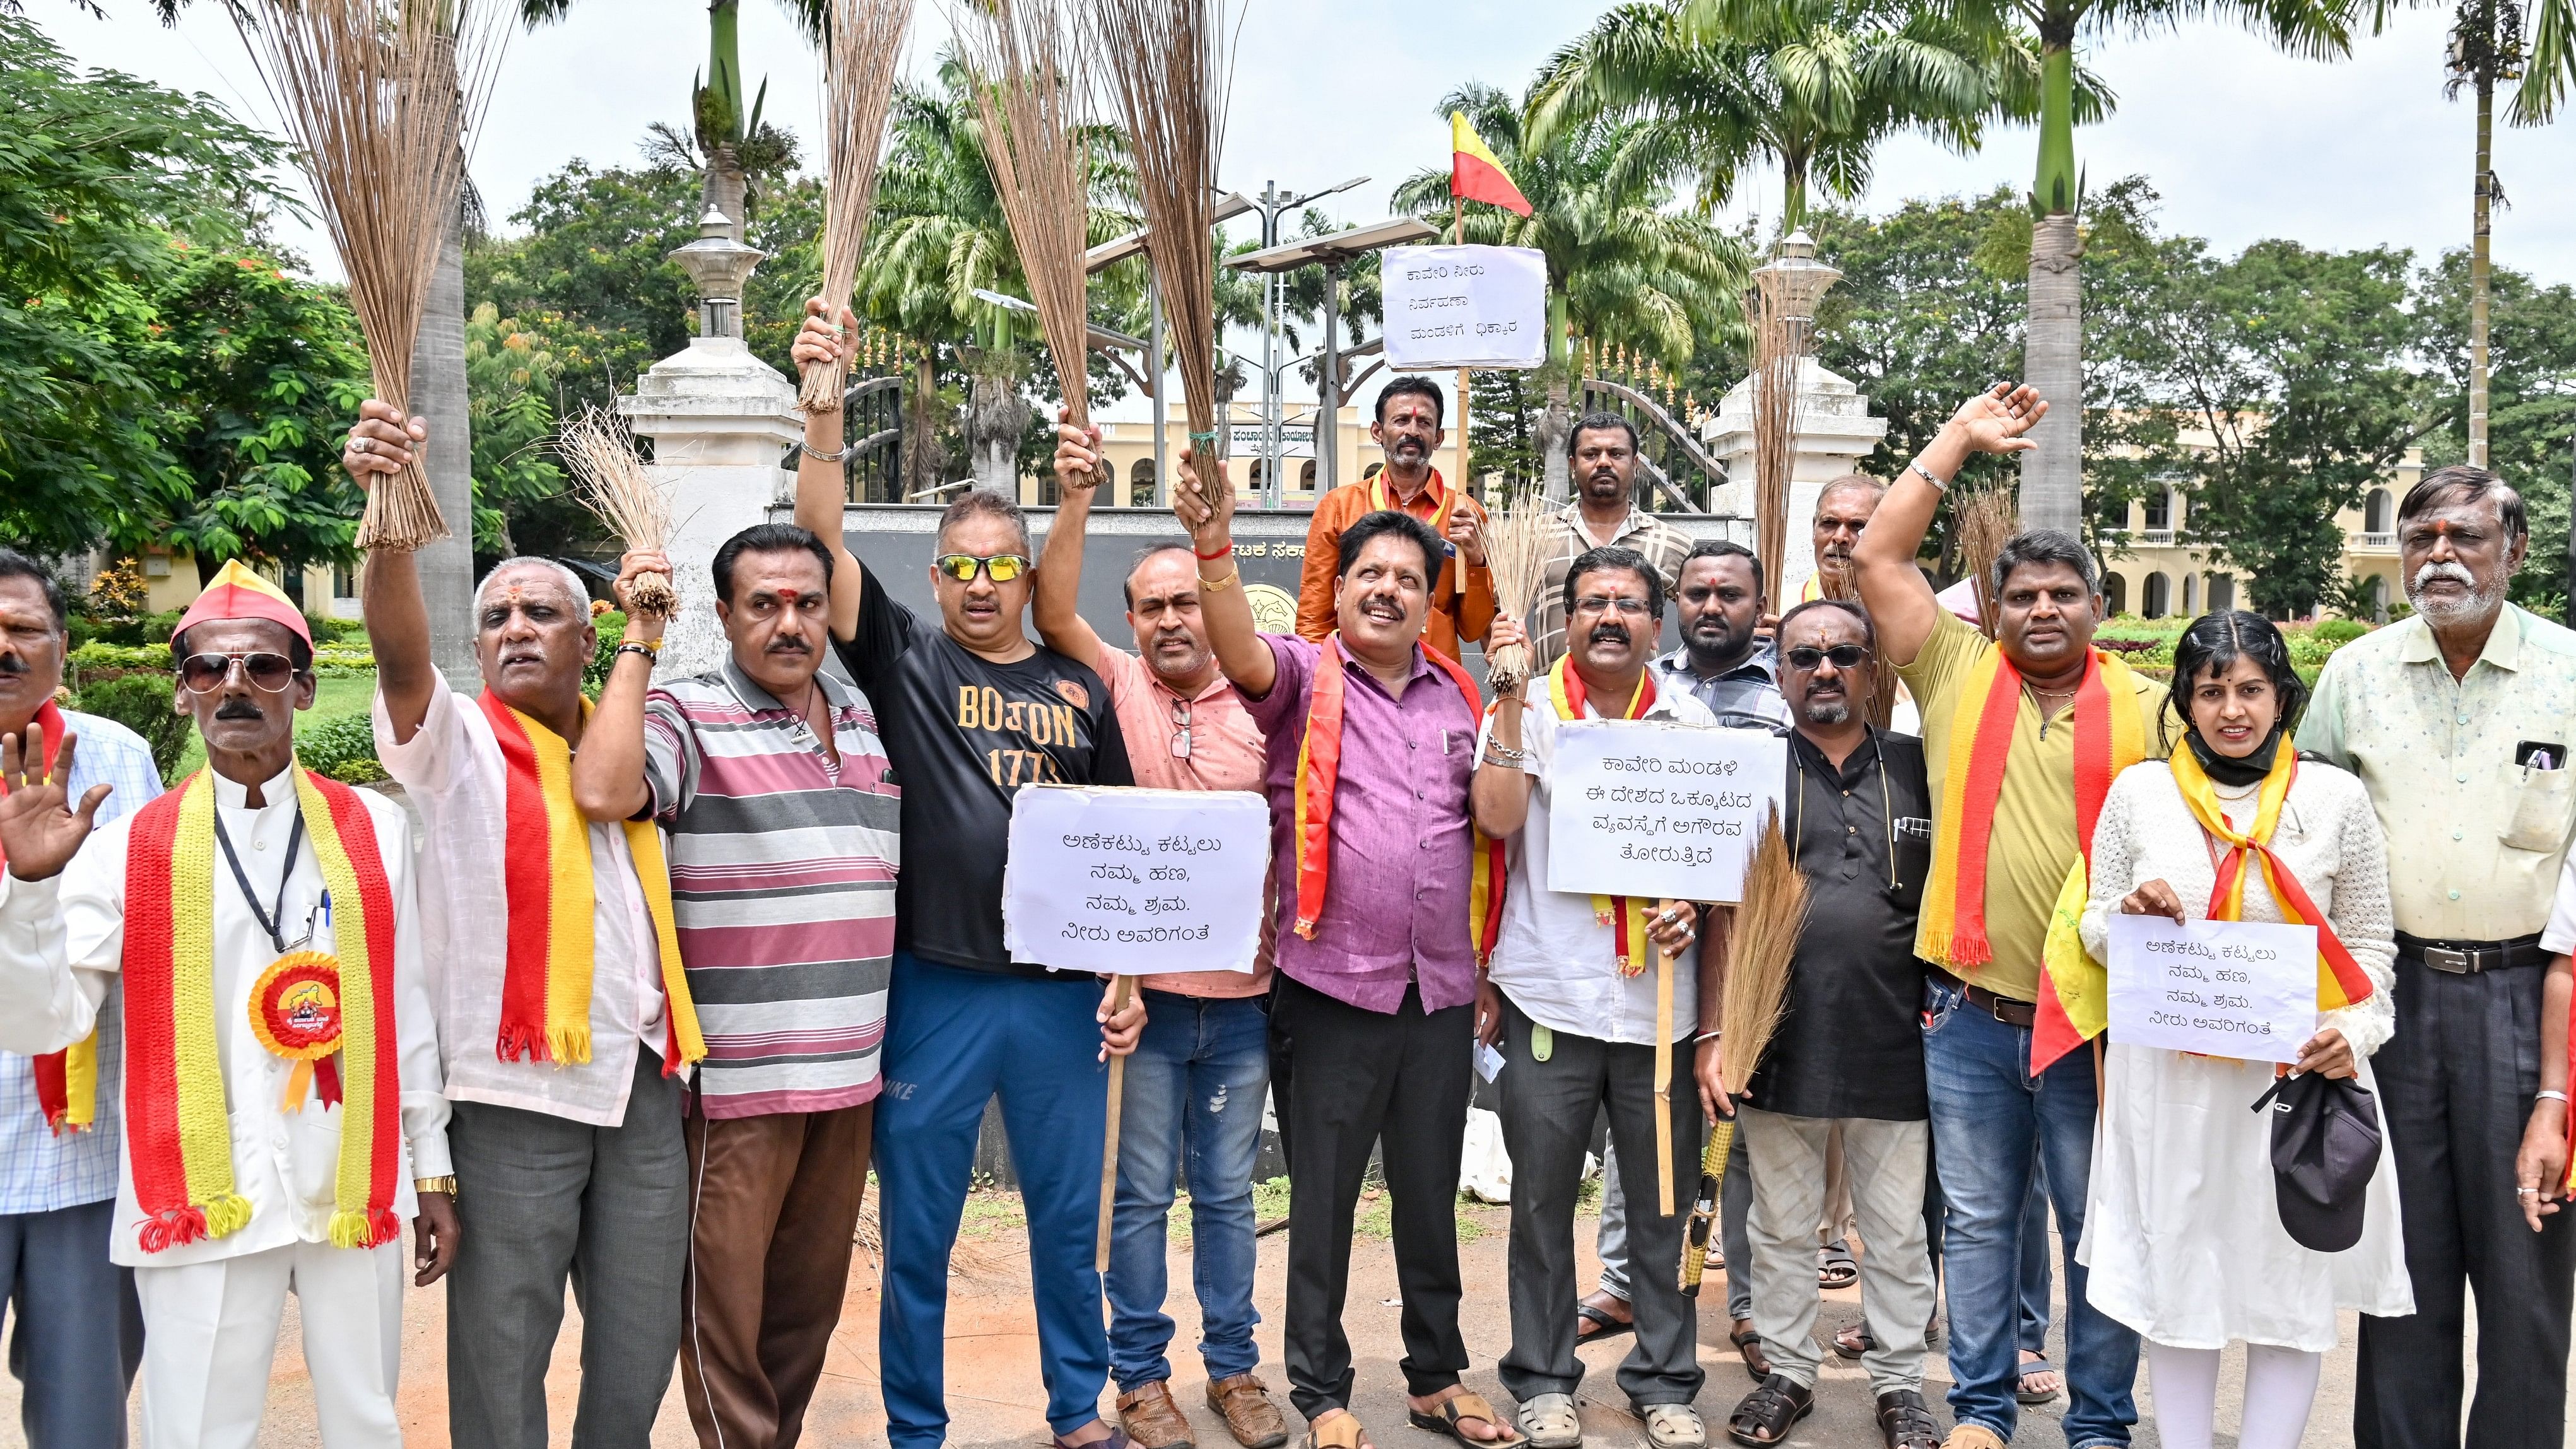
(381, 442)
(823, 340)
(1205, 509)
(632, 566)
(40, 830)
(1077, 455)
(1994, 420)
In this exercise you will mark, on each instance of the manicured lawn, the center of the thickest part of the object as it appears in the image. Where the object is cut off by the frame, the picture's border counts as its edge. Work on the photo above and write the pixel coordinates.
(333, 696)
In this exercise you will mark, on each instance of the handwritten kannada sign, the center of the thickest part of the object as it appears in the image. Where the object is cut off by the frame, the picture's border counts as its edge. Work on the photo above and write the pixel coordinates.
(1130, 881)
(1464, 306)
(2219, 988)
(1646, 808)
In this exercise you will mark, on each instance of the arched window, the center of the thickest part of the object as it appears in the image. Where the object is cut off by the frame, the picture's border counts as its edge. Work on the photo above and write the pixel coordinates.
(2374, 511)
(1140, 484)
(2115, 593)
(2191, 593)
(2377, 589)
(2222, 592)
(2159, 591)
(1306, 476)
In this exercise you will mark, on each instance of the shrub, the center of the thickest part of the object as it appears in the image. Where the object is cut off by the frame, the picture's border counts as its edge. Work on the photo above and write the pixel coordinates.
(2340, 631)
(612, 628)
(343, 749)
(141, 703)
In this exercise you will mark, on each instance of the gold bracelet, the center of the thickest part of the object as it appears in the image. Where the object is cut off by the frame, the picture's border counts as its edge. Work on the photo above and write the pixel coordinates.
(1219, 586)
(445, 1184)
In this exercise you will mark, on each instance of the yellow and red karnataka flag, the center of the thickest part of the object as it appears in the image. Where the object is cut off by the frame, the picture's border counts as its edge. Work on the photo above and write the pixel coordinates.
(1476, 174)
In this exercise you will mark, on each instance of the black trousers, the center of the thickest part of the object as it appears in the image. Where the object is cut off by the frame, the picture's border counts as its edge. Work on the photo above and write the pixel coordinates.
(1363, 1078)
(2456, 1086)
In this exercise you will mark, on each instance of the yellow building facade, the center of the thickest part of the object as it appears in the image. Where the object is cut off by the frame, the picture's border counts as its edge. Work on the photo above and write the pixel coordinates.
(2151, 567)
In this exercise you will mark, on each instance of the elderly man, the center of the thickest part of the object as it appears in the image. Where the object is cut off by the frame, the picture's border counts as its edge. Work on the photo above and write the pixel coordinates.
(1843, 508)
(1601, 453)
(80, 1334)
(1370, 736)
(565, 1052)
(2021, 711)
(1572, 1004)
(2459, 720)
(972, 710)
(1462, 590)
(1848, 1055)
(260, 922)
(1206, 1042)
(782, 814)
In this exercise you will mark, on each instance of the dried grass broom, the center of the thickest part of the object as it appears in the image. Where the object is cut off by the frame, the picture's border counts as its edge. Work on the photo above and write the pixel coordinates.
(1986, 520)
(1758, 950)
(1029, 80)
(377, 97)
(1519, 536)
(1779, 346)
(862, 45)
(623, 497)
(1168, 66)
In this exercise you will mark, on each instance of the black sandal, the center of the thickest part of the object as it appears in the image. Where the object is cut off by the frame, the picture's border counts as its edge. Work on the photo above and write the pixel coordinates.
(1905, 1423)
(1767, 1414)
(1749, 1344)
(1835, 1266)
(1854, 1342)
(1593, 1323)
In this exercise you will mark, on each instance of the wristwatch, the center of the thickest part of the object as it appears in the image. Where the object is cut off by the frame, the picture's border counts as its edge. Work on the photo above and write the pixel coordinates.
(445, 1184)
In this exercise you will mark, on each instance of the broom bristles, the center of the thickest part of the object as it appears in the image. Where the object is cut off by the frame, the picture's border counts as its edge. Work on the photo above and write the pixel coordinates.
(1028, 85)
(622, 495)
(1758, 950)
(1519, 535)
(1168, 65)
(1986, 520)
(862, 45)
(377, 97)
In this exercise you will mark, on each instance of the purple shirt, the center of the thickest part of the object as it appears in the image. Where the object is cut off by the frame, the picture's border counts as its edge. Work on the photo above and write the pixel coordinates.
(1395, 912)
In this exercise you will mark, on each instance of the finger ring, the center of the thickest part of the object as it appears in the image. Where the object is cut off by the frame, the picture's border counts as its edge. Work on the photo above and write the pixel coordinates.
(2528, 1191)
(362, 445)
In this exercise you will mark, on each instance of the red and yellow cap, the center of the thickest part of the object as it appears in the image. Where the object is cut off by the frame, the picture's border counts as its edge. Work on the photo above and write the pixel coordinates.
(238, 593)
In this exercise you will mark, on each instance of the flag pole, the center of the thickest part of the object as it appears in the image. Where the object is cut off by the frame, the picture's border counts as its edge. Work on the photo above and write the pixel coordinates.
(1458, 237)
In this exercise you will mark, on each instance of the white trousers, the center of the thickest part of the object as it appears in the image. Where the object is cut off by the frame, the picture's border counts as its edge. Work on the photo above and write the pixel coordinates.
(210, 1332)
(2280, 1386)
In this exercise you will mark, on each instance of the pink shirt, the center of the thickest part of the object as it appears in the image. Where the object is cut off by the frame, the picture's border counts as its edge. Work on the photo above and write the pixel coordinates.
(1225, 754)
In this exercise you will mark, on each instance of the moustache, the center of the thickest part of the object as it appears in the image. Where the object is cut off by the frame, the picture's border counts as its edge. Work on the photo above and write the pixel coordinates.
(1609, 634)
(790, 645)
(15, 664)
(238, 708)
(2445, 569)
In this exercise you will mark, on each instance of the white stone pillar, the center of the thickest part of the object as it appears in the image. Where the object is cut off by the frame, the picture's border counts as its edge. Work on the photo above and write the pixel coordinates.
(1834, 431)
(720, 420)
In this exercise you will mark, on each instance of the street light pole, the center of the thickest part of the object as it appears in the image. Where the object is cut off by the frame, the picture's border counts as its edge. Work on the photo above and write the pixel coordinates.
(1273, 204)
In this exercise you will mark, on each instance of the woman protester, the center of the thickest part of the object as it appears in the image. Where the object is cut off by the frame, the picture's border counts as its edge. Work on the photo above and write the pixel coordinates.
(2182, 1238)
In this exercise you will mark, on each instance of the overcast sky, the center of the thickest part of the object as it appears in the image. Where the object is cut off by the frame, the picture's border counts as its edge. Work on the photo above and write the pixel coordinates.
(2242, 143)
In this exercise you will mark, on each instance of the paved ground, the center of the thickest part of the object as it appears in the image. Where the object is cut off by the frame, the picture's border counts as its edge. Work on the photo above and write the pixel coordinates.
(996, 1399)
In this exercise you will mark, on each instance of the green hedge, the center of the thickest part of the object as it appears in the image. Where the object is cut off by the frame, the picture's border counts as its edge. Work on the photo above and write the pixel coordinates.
(344, 749)
(142, 703)
(100, 655)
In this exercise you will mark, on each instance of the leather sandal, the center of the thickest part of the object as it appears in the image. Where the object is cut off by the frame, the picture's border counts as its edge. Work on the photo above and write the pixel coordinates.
(1767, 1414)
(1550, 1421)
(1835, 1266)
(1244, 1402)
(1674, 1426)
(1340, 1430)
(1462, 1405)
(1904, 1422)
(1749, 1344)
(1594, 1321)
(1151, 1420)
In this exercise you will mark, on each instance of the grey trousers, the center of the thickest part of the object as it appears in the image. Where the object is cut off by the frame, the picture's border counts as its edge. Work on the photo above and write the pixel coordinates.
(1547, 1110)
(1734, 1204)
(80, 1331)
(1885, 1163)
(543, 1201)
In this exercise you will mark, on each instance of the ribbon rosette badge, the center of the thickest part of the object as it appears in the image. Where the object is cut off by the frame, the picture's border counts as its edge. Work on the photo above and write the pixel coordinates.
(295, 1009)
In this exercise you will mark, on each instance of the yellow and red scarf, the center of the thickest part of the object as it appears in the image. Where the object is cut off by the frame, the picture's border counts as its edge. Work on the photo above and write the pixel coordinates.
(177, 1124)
(546, 983)
(1625, 915)
(2340, 979)
(67, 1080)
(2110, 736)
(1319, 770)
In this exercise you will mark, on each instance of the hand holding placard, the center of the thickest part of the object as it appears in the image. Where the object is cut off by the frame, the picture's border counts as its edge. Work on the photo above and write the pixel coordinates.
(2238, 989)
(1648, 808)
(1131, 882)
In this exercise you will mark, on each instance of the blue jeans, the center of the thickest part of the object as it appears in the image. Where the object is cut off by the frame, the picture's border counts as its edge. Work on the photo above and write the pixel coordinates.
(954, 1039)
(1195, 1085)
(1990, 1116)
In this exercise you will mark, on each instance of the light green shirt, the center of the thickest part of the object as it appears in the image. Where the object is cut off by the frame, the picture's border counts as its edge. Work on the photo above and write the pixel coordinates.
(2475, 840)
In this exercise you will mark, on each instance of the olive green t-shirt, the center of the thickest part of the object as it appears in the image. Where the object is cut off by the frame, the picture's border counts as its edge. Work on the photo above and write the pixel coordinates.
(2033, 842)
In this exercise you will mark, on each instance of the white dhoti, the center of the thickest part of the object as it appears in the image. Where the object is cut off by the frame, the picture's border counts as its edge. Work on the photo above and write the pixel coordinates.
(210, 1333)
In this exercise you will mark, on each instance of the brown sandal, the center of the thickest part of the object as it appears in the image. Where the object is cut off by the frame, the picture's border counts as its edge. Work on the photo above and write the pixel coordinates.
(1466, 1404)
(1749, 1344)
(1340, 1430)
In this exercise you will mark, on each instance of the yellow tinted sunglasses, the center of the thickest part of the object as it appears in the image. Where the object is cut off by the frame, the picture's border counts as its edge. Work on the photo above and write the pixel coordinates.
(1004, 567)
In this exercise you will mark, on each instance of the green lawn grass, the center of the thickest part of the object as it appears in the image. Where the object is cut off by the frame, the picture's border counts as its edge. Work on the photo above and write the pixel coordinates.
(334, 696)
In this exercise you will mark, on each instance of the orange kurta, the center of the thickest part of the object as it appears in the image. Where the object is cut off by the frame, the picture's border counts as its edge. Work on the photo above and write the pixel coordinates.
(1456, 615)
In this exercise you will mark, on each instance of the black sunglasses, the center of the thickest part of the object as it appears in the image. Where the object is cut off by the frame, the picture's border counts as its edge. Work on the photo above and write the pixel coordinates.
(1845, 656)
(205, 673)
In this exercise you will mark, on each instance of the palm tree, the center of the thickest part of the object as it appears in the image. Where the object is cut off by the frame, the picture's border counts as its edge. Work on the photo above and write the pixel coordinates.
(1621, 269)
(1811, 86)
(2052, 475)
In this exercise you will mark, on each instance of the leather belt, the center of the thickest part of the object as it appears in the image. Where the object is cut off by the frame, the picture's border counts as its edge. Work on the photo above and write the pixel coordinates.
(2024, 1014)
(2467, 958)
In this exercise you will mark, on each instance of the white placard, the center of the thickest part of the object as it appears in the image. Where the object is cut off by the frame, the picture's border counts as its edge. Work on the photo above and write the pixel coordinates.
(1131, 881)
(1648, 808)
(2219, 988)
(1464, 307)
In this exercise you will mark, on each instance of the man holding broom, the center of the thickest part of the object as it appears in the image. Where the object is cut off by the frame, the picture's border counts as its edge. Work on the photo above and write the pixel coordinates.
(972, 710)
(1462, 589)
(565, 1022)
(1570, 999)
(1370, 738)
(2022, 735)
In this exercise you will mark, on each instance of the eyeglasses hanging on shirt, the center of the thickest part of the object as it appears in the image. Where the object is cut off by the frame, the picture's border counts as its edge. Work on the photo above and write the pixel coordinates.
(1180, 729)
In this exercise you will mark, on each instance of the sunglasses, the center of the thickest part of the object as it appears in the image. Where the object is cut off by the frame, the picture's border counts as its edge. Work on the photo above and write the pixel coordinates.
(205, 673)
(1003, 567)
(1845, 656)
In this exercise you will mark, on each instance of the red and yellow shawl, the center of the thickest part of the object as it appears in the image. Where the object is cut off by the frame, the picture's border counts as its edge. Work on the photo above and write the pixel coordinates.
(2340, 979)
(1625, 915)
(177, 1123)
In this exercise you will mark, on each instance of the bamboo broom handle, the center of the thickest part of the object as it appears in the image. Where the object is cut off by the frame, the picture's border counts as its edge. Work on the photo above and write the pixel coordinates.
(1126, 988)
(1664, 1202)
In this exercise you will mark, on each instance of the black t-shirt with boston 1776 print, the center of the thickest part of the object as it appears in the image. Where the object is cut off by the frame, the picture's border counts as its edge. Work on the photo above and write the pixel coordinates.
(964, 734)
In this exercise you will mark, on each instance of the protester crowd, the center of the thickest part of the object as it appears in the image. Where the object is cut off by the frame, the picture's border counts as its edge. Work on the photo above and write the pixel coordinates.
(637, 992)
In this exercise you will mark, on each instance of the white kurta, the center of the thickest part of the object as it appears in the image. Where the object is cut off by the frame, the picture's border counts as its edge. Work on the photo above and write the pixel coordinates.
(2182, 1236)
(62, 943)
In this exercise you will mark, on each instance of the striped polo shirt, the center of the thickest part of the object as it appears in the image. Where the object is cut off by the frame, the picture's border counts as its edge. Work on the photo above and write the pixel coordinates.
(782, 885)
